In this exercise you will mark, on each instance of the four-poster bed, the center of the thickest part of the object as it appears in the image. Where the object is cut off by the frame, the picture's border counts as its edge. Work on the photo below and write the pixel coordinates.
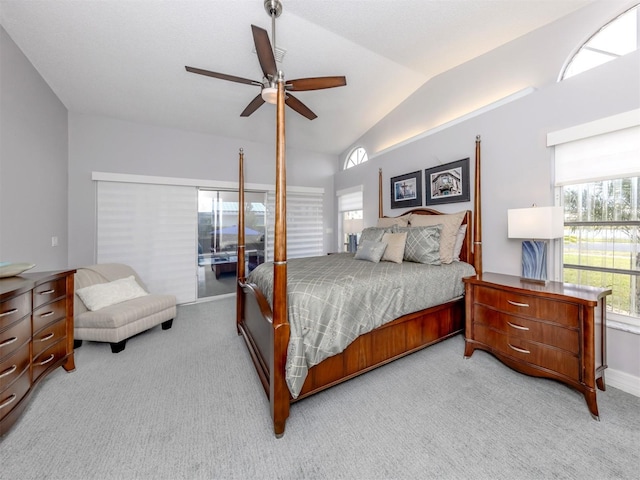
(263, 321)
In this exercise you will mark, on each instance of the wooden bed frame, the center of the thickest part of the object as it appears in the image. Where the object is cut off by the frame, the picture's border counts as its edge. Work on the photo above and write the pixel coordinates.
(266, 330)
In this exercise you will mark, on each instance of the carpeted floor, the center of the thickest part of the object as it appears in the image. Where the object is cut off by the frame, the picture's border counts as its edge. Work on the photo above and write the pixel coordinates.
(186, 403)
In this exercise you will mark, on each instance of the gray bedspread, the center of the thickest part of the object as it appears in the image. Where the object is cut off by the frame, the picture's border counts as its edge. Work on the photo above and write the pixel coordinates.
(334, 298)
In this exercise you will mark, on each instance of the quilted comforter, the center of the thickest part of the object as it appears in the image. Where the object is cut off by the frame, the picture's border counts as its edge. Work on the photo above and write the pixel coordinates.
(335, 298)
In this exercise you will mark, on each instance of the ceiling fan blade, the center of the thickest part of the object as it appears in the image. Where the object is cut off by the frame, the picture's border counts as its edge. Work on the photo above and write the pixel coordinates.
(315, 83)
(253, 106)
(264, 51)
(223, 76)
(299, 107)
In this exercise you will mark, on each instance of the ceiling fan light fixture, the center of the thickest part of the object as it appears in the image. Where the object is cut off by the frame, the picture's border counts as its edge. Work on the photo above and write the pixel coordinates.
(270, 95)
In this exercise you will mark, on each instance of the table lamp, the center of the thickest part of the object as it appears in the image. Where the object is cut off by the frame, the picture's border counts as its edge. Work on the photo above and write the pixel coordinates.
(538, 224)
(352, 227)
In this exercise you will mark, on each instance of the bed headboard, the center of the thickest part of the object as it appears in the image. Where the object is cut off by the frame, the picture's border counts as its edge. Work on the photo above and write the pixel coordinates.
(472, 245)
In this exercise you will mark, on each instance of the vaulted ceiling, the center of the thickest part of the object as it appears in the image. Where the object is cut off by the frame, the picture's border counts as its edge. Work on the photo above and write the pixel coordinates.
(126, 58)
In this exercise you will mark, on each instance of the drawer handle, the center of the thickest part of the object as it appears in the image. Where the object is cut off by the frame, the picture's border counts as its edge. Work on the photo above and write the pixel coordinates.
(44, 362)
(47, 337)
(521, 350)
(47, 292)
(517, 304)
(8, 312)
(48, 314)
(8, 341)
(8, 371)
(519, 327)
(9, 400)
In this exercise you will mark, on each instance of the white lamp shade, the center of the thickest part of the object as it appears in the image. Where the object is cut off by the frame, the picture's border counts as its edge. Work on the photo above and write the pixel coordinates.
(353, 225)
(536, 222)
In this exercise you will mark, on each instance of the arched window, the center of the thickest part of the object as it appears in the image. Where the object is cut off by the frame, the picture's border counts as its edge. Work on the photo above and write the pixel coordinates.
(357, 156)
(616, 38)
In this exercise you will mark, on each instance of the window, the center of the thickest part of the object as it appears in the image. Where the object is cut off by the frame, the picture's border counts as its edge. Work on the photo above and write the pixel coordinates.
(616, 38)
(350, 222)
(356, 157)
(598, 178)
(304, 224)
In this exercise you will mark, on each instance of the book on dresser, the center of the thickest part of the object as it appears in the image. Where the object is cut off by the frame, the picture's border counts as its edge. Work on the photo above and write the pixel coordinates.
(36, 336)
(553, 330)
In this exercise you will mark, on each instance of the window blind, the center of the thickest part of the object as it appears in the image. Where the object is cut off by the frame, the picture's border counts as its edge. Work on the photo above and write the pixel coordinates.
(152, 228)
(350, 199)
(304, 224)
(611, 155)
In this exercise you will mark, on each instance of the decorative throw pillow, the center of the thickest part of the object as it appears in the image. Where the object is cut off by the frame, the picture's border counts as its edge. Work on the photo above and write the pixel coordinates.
(457, 248)
(372, 234)
(402, 221)
(370, 251)
(102, 295)
(423, 244)
(395, 246)
(450, 225)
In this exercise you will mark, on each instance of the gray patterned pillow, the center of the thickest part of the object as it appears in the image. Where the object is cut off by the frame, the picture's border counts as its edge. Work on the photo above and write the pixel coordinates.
(423, 244)
(373, 234)
(370, 251)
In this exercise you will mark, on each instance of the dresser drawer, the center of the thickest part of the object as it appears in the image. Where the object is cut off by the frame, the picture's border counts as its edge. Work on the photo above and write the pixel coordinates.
(49, 291)
(47, 358)
(12, 366)
(10, 397)
(14, 309)
(543, 308)
(545, 357)
(48, 336)
(49, 313)
(528, 329)
(14, 337)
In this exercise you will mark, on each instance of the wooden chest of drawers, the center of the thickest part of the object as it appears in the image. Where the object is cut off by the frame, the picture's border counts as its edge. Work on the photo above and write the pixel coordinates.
(36, 336)
(555, 330)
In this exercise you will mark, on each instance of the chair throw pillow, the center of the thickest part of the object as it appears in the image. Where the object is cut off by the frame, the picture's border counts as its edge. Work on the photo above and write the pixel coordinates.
(370, 251)
(102, 295)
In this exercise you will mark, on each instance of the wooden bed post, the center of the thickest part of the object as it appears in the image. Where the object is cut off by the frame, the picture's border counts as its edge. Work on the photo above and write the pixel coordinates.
(279, 392)
(477, 213)
(380, 193)
(240, 276)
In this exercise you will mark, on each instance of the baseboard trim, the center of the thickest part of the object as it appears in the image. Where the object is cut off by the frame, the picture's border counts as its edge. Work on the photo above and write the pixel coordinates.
(622, 381)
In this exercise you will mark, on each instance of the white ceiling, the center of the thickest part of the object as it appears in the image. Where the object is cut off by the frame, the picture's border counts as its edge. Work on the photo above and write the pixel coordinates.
(126, 58)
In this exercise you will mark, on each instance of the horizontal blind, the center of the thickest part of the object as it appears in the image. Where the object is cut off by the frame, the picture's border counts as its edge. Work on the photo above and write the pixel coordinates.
(153, 229)
(350, 200)
(611, 155)
(304, 224)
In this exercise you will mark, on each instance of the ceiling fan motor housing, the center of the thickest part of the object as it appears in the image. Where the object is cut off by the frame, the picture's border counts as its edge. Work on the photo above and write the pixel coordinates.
(273, 7)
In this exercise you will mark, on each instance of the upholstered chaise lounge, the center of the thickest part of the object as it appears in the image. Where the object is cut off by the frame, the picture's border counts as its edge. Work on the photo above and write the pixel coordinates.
(116, 322)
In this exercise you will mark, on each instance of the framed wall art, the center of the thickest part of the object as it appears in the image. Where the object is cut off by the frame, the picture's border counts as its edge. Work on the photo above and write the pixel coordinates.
(406, 190)
(447, 183)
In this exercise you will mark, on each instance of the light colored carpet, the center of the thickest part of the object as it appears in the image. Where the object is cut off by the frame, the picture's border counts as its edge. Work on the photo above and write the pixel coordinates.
(186, 403)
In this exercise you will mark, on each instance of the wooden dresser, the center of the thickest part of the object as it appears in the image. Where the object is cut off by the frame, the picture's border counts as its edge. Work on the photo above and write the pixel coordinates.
(555, 330)
(36, 336)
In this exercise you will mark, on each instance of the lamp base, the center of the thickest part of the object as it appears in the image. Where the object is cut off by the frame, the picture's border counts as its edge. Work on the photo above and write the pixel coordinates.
(534, 261)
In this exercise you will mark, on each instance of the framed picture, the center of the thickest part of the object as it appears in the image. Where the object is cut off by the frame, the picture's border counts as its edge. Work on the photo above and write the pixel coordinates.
(447, 183)
(406, 190)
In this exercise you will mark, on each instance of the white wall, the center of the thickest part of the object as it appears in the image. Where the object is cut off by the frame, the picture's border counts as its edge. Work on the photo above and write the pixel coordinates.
(109, 145)
(33, 164)
(516, 164)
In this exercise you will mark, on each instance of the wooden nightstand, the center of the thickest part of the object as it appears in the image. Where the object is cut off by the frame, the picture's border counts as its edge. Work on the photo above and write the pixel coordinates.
(555, 330)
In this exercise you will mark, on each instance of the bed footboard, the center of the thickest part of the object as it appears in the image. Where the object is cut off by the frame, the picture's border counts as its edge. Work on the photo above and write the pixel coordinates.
(268, 349)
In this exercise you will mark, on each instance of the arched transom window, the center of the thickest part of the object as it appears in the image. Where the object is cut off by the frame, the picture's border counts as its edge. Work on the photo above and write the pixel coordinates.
(357, 156)
(616, 38)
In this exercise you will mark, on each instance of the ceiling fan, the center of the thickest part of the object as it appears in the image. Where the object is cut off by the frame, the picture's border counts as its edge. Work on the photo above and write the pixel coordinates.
(268, 85)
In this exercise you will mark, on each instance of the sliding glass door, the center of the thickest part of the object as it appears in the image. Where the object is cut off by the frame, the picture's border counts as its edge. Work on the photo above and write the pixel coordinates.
(218, 238)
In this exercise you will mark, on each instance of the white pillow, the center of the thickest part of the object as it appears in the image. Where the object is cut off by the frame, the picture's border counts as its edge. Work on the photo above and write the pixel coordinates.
(102, 295)
(395, 247)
